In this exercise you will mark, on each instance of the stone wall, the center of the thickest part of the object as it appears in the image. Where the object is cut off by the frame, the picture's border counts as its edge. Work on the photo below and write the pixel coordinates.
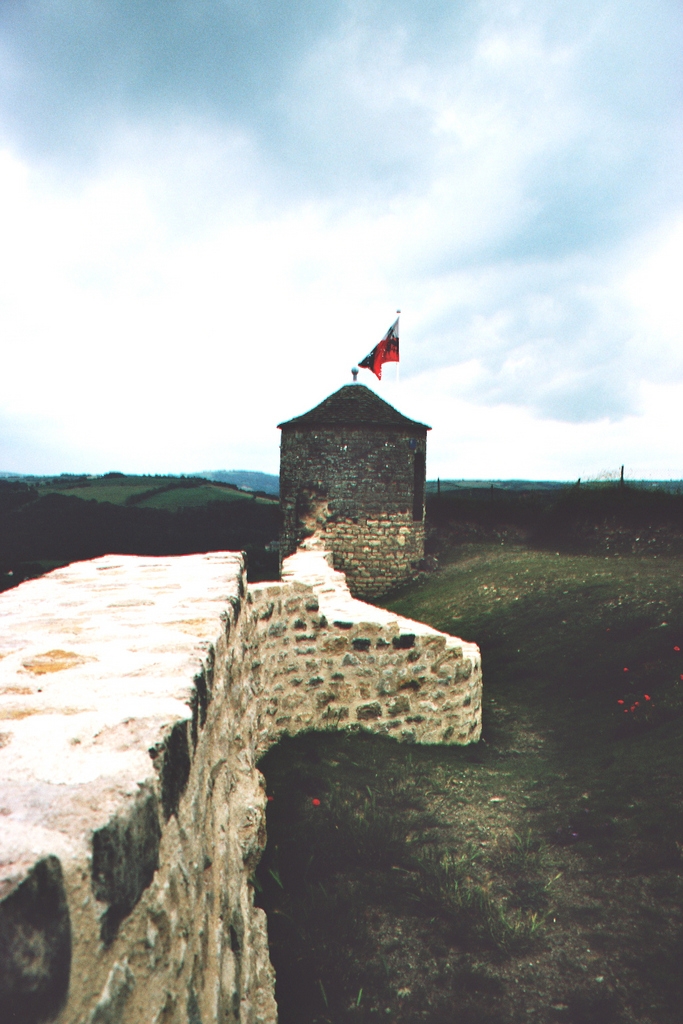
(365, 477)
(375, 554)
(136, 698)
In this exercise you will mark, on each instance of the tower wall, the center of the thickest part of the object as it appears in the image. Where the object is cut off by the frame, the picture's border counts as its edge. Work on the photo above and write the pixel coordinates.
(362, 489)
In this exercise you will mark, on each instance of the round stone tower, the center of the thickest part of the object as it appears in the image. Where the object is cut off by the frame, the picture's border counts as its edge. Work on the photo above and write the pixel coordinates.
(353, 469)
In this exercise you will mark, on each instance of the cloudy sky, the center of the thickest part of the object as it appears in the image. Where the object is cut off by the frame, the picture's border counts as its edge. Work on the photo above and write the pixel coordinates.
(211, 209)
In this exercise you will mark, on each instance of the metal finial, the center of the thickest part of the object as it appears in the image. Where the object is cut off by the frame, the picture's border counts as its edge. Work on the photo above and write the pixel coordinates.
(354, 371)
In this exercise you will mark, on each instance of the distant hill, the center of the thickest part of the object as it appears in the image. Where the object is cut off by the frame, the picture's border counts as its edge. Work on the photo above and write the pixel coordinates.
(268, 483)
(504, 485)
(168, 492)
(48, 521)
(674, 486)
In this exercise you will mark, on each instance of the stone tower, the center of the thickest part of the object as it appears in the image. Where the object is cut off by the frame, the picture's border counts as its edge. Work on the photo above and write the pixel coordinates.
(353, 469)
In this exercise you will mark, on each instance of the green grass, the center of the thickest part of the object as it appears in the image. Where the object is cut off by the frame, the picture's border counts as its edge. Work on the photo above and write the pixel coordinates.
(535, 876)
(191, 497)
(97, 490)
(170, 493)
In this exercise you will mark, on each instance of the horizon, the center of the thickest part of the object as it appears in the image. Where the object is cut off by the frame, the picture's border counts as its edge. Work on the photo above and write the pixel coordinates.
(609, 476)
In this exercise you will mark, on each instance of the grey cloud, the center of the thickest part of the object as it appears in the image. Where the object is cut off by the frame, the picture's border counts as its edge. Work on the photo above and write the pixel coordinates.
(74, 63)
(593, 396)
(281, 76)
(314, 84)
(546, 337)
(91, 62)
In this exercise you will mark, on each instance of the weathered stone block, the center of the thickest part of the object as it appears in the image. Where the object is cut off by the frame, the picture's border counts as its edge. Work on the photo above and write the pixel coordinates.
(110, 1006)
(361, 644)
(398, 705)
(125, 855)
(35, 946)
(364, 712)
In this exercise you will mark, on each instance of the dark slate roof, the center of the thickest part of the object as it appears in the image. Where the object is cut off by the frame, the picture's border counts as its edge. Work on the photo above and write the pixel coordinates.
(354, 405)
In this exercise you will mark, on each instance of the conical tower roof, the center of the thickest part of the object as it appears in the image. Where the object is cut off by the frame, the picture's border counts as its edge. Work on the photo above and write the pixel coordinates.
(354, 405)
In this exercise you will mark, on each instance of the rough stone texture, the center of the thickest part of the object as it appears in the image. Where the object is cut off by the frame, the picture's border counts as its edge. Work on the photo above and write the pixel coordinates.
(375, 554)
(35, 944)
(136, 697)
(353, 470)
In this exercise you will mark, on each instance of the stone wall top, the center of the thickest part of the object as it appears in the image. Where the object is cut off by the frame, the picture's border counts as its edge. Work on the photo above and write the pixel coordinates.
(96, 660)
(312, 566)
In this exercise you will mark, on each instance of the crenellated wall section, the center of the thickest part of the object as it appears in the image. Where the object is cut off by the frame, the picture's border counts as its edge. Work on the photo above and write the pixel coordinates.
(136, 698)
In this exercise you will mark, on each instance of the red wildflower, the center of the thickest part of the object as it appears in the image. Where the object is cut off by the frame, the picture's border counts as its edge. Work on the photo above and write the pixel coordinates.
(647, 696)
(625, 670)
(620, 702)
(625, 711)
(315, 802)
(270, 798)
(637, 704)
(676, 648)
(633, 707)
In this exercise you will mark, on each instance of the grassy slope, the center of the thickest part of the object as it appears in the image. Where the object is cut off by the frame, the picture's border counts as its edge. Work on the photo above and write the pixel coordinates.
(48, 522)
(191, 497)
(535, 877)
(148, 492)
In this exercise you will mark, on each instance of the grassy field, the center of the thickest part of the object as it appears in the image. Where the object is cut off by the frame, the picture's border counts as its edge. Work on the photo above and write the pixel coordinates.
(192, 497)
(169, 493)
(46, 522)
(533, 877)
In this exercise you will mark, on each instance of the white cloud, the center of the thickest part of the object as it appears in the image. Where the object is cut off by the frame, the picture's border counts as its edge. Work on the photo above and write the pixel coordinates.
(501, 442)
(211, 272)
(651, 286)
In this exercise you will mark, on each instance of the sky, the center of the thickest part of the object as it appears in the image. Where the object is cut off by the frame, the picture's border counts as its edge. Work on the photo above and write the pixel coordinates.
(210, 210)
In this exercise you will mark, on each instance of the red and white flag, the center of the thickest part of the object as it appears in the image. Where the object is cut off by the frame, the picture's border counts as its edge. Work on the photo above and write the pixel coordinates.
(385, 352)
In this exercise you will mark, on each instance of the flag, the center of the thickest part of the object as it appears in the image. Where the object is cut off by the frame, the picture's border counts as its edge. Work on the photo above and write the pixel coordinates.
(385, 352)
